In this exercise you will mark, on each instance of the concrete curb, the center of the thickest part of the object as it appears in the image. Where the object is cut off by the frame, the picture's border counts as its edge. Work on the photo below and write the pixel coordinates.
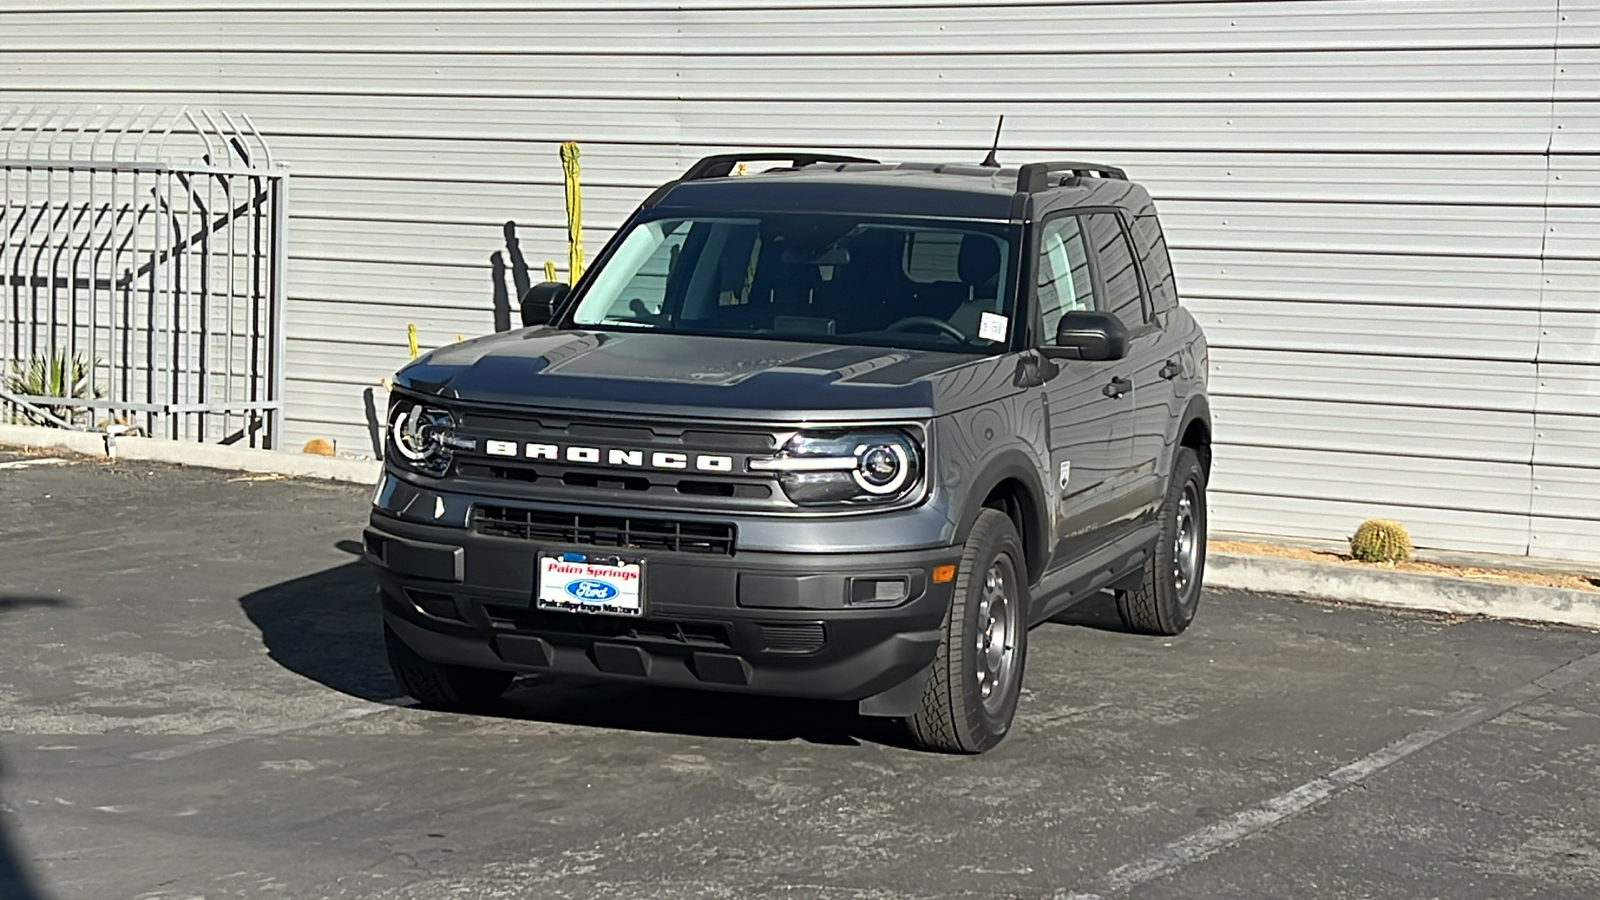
(88, 443)
(212, 456)
(1403, 590)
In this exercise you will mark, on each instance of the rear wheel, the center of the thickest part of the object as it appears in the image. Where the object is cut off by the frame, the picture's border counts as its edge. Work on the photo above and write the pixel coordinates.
(972, 693)
(1169, 591)
(442, 686)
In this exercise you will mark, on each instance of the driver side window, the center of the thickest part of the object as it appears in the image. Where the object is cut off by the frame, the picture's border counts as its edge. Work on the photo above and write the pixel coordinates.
(1064, 284)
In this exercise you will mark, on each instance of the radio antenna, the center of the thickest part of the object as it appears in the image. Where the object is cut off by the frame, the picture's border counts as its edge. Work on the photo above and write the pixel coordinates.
(990, 161)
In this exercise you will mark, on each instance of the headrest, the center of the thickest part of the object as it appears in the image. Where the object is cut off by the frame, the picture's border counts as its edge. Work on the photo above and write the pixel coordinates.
(979, 260)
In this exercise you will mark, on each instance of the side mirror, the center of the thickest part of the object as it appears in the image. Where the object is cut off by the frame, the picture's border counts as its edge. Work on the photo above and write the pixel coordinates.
(540, 302)
(1089, 335)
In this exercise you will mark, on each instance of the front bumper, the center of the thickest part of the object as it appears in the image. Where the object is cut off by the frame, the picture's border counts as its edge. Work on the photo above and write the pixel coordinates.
(800, 624)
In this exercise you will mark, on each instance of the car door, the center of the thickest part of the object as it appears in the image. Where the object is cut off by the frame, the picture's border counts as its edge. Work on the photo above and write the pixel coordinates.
(1135, 489)
(1163, 393)
(1088, 412)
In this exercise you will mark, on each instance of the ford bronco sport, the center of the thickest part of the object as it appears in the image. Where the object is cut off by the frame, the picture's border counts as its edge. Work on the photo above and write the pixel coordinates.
(837, 429)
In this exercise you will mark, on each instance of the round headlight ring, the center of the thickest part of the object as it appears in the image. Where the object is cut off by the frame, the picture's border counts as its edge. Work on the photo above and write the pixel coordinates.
(417, 433)
(882, 468)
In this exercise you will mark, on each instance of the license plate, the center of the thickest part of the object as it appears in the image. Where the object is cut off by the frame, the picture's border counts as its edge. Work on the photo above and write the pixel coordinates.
(591, 583)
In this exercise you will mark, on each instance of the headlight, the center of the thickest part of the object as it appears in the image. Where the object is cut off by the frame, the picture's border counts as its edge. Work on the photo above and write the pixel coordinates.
(822, 468)
(419, 437)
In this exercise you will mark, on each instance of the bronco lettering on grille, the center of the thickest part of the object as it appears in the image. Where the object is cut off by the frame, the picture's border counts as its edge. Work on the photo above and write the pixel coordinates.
(632, 459)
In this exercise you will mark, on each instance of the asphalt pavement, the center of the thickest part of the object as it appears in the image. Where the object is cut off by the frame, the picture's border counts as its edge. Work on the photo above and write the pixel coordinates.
(194, 703)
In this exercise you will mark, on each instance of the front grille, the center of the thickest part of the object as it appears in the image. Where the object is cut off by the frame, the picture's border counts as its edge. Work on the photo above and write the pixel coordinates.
(793, 637)
(587, 530)
(743, 487)
(619, 465)
(650, 630)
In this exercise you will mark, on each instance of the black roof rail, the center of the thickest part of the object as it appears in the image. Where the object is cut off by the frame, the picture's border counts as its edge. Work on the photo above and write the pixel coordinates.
(1035, 177)
(721, 165)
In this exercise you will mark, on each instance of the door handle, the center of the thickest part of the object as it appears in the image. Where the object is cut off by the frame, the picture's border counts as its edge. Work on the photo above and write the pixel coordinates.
(1118, 387)
(1172, 369)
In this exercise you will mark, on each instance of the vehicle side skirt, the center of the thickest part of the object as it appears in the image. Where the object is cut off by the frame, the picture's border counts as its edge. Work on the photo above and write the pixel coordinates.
(1078, 581)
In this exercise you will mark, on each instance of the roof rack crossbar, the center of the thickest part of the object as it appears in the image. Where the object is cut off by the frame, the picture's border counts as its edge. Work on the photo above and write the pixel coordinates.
(1035, 177)
(721, 165)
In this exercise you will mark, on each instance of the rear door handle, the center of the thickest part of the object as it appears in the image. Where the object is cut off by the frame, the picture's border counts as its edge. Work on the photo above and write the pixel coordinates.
(1118, 387)
(1172, 369)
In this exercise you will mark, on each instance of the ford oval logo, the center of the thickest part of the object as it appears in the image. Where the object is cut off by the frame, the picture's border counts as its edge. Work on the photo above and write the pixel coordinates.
(591, 591)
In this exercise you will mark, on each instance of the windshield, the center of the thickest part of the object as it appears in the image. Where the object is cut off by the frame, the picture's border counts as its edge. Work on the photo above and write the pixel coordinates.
(817, 277)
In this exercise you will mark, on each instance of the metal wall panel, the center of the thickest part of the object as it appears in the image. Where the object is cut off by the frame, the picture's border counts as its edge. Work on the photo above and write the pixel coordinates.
(1566, 472)
(867, 28)
(1231, 76)
(1385, 212)
(1372, 328)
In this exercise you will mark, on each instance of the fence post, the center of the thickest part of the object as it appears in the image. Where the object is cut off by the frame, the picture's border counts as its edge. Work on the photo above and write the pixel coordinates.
(280, 299)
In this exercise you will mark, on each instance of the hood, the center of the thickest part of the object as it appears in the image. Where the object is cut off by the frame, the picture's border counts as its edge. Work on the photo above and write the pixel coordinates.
(704, 376)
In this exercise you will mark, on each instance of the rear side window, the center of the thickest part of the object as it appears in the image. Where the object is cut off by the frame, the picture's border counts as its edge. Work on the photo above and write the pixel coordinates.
(1153, 257)
(1118, 272)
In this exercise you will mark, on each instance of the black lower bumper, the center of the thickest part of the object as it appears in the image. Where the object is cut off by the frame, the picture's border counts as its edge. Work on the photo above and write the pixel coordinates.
(858, 627)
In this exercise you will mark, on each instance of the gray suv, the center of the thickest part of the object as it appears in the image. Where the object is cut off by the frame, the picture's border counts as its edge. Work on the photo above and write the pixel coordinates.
(834, 429)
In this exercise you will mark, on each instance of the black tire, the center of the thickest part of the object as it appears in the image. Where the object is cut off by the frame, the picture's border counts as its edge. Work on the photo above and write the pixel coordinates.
(1169, 593)
(957, 714)
(441, 686)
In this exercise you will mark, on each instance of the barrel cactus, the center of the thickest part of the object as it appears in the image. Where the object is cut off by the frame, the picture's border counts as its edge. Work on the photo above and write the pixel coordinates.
(1380, 540)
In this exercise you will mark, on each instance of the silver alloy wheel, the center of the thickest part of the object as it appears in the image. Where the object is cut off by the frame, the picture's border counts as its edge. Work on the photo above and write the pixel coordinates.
(999, 623)
(1186, 540)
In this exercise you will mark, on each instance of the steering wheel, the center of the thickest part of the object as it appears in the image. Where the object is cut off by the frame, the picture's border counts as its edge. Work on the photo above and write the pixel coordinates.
(911, 322)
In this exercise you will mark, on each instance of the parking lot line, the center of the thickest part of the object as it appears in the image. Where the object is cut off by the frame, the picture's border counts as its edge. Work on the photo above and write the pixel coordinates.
(1247, 823)
(201, 745)
(27, 463)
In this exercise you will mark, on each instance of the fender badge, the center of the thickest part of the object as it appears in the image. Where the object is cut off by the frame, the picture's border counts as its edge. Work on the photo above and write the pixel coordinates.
(1066, 474)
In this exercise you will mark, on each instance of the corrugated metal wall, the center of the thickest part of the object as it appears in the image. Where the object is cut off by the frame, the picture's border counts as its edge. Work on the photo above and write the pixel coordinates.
(1386, 212)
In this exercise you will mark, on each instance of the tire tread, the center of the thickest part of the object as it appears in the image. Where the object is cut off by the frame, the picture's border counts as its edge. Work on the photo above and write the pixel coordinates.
(1153, 606)
(946, 722)
(442, 686)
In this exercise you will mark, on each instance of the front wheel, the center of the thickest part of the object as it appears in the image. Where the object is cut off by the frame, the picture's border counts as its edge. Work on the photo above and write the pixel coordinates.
(972, 693)
(441, 686)
(1169, 591)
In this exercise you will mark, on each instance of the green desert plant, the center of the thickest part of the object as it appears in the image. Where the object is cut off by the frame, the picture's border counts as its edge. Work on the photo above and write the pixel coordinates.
(1380, 540)
(54, 374)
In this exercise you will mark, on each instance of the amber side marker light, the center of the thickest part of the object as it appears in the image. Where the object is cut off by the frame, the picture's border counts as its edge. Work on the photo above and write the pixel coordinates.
(944, 574)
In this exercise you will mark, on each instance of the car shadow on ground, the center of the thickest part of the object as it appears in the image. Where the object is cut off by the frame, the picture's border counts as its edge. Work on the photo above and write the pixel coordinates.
(708, 714)
(1098, 612)
(327, 627)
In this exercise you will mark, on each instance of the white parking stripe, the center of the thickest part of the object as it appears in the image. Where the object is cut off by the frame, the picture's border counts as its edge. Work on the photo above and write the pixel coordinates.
(1242, 825)
(223, 740)
(42, 461)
